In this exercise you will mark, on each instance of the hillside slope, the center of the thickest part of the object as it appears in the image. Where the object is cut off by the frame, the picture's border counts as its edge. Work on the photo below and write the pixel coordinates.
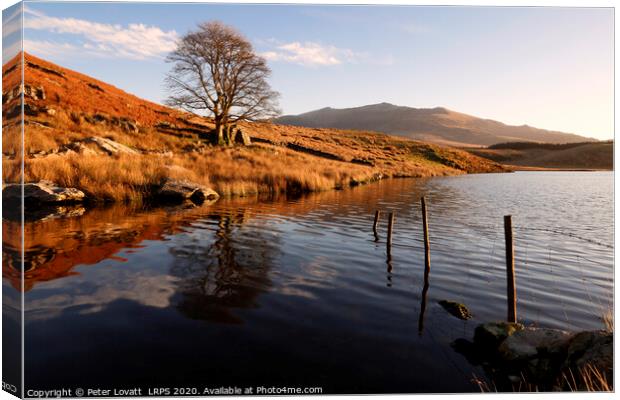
(589, 155)
(87, 134)
(437, 125)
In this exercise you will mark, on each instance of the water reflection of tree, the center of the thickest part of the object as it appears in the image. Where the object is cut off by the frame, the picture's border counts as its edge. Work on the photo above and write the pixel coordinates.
(224, 270)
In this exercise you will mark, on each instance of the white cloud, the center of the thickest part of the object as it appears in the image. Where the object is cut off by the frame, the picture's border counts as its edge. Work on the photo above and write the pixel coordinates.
(311, 54)
(46, 48)
(133, 41)
(12, 22)
(11, 32)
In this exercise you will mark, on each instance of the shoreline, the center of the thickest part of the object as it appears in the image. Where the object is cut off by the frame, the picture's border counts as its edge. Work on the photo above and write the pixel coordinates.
(153, 196)
(516, 168)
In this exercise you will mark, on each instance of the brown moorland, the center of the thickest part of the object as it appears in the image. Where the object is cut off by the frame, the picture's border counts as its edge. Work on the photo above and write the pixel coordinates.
(575, 156)
(64, 110)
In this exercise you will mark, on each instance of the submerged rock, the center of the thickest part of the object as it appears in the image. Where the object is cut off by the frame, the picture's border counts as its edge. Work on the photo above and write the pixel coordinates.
(456, 309)
(178, 191)
(42, 192)
(491, 334)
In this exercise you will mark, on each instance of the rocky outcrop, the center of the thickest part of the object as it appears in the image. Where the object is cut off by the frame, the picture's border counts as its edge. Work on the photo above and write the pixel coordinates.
(178, 191)
(78, 147)
(90, 146)
(30, 110)
(126, 124)
(541, 358)
(29, 91)
(242, 138)
(45, 69)
(95, 86)
(42, 192)
(110, 146)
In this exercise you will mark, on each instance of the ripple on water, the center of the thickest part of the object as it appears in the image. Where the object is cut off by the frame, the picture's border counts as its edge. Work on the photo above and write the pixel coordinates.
(244, 279)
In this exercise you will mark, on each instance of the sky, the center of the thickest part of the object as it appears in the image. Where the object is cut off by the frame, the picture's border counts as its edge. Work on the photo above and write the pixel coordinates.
(546, 67)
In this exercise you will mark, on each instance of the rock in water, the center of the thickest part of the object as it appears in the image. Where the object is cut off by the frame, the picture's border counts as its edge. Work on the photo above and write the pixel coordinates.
(42, 192)
(178, 191)
(457, 309)
(594, 349)
(491, 334)
(529, 342)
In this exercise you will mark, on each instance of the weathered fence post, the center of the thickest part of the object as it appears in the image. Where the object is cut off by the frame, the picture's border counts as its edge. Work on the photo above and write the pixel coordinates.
(427, 265)
(427, 243)
(389, 234)
(374, 225)
(427, 272)
(510, 270)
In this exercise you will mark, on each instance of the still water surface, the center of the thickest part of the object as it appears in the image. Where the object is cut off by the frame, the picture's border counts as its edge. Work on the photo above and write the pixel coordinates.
(299, 293)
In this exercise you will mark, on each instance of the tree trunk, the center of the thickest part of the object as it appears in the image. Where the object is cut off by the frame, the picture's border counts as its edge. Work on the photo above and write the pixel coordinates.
(227, 137)
(219, 133)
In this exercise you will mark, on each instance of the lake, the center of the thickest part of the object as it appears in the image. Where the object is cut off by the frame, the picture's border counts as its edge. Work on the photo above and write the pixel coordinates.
(298, 292)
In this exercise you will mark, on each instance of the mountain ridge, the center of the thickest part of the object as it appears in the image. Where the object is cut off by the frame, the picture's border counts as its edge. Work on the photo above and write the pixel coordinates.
(438, 124)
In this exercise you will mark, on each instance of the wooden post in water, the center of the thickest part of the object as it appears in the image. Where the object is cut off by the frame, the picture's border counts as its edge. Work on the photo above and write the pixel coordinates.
(510, 270)
(389, 234)
(427, 243)
(427, 265)
(374, 225)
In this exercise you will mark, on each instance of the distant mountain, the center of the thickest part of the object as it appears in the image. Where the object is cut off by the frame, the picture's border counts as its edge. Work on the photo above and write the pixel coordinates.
(438, 125)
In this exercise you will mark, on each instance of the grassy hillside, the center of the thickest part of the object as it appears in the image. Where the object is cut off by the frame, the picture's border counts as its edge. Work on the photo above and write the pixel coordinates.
(438, 125)
(65, 110)
(587, 155)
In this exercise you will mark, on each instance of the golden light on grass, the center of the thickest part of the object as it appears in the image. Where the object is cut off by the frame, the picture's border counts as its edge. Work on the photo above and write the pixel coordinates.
(587, 379)
(282, 158)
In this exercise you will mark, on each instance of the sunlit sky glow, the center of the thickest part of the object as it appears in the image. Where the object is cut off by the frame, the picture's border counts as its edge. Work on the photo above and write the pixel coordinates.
(550, 68)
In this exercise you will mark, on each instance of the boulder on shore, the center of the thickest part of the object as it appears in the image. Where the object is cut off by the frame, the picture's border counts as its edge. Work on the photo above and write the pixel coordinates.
(546, 359)
(529, 342)
(178, 191)
(594, 349)
(42, 192)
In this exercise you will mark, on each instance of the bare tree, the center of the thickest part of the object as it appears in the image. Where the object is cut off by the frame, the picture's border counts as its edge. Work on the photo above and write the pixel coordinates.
(217, 73)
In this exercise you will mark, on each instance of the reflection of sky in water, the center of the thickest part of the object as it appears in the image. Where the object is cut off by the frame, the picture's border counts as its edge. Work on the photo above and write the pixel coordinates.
(144, 280)
(307, 272)
(327, 248)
